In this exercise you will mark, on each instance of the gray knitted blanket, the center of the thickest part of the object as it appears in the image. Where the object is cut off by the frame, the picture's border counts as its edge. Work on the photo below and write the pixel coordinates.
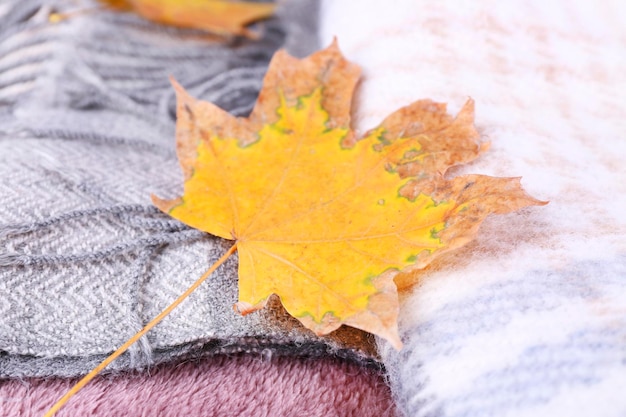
(86, 135)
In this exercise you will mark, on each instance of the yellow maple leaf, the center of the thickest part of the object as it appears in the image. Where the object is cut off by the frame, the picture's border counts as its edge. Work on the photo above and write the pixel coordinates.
(217, 16)
(321, 219)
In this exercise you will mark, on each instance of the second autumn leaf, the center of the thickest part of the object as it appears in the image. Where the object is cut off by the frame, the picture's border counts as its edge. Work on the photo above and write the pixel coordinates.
(321, 218)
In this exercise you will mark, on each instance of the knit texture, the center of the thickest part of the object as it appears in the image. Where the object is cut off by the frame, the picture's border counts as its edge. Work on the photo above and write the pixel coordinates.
(530, 319)
(86, 135)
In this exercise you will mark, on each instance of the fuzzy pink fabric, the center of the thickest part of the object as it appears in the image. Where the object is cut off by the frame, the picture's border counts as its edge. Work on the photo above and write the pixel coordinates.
(240, 385)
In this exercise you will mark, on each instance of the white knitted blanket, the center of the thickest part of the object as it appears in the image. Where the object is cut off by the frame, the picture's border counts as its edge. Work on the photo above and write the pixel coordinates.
(529, 320)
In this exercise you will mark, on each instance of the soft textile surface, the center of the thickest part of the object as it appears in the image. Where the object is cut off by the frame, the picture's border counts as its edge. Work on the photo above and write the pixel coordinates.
(530, 320)
(239, 385)
(86, 135)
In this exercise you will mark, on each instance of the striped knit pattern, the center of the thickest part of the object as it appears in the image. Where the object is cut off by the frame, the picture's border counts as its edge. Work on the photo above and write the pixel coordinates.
(529, 320)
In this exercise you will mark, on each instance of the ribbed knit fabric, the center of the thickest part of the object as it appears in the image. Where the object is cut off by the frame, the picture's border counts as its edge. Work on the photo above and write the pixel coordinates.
(529, 320)
(86, 135)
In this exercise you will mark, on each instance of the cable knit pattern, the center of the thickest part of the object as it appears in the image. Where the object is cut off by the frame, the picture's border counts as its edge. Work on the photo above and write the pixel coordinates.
(529, 320)
(86, 135)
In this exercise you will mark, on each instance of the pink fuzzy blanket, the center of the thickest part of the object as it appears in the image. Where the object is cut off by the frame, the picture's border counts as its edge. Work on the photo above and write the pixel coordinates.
(238, 385)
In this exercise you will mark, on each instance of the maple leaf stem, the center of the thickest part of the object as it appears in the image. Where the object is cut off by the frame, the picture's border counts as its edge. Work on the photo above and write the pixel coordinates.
(85, 380)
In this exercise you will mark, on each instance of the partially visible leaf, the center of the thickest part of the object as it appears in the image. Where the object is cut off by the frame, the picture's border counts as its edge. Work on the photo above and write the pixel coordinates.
(216, 16)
